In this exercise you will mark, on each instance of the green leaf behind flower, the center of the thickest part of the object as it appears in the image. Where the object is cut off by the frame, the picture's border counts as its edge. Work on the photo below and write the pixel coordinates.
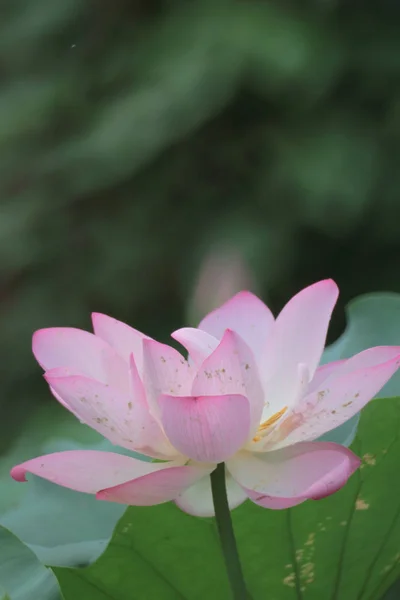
(22, 575)
(372, 320)
(345, 547)
(62, 527)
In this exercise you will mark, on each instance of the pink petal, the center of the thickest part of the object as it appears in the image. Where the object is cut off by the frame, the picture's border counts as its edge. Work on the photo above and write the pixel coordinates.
(85, 470)
(322, 374)
(273, 502)
(277, 415)
(198, 343)
(63, 372)
(165, 371)
(112, 476)
(245, 314)
(81, 352)
(119, 417)
(162, 485)
(304, 471)
(284, 390)
(371, 357)
(149, 437)
(123, 338)
(342, 396)
(231, 369)
(300, 330)
(197, 500)
(206, 428)
(103, 408)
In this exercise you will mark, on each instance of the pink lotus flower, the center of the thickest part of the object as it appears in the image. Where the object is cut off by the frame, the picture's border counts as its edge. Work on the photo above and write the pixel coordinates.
(251, 395)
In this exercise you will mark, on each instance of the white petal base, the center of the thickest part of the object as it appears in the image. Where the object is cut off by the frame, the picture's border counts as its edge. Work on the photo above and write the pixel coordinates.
(197, 500)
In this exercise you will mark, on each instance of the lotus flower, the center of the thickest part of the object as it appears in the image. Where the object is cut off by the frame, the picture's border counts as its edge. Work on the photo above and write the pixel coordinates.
(251, 394)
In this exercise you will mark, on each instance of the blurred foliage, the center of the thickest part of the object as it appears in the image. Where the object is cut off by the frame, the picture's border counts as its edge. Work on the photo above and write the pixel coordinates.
(137, 135)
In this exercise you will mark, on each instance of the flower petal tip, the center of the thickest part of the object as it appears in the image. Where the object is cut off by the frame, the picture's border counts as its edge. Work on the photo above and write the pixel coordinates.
(330, 282)
(18, 473)
(245, 294)
(102, 495)
(36, 334)
(353, 463)
(95, 316)
(99, 318)
(228, 333)
(327, 284)
(37, 337)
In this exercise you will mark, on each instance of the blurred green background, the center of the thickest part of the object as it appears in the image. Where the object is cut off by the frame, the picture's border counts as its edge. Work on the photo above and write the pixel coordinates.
(155, 154)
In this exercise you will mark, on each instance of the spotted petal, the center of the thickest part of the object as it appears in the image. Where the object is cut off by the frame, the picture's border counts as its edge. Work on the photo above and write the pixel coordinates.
(119, 417)
(322, 374)
(81, 352)
(232, 369)
(123, 338)
(343, 395)
(165, 371)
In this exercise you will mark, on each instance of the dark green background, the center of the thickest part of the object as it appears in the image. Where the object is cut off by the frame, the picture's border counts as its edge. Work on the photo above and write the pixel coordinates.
(136, 136)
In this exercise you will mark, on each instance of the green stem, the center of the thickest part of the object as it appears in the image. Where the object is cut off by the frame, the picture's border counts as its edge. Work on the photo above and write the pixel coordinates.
(226, 534)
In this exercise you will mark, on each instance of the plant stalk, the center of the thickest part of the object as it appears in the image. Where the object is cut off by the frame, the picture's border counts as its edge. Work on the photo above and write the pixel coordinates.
(226, 534)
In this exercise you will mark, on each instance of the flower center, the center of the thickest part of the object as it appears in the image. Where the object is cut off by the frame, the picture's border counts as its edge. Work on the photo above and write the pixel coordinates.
(262, 428)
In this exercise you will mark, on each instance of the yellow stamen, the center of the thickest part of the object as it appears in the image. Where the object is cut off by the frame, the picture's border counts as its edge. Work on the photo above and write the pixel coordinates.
(266, 424)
